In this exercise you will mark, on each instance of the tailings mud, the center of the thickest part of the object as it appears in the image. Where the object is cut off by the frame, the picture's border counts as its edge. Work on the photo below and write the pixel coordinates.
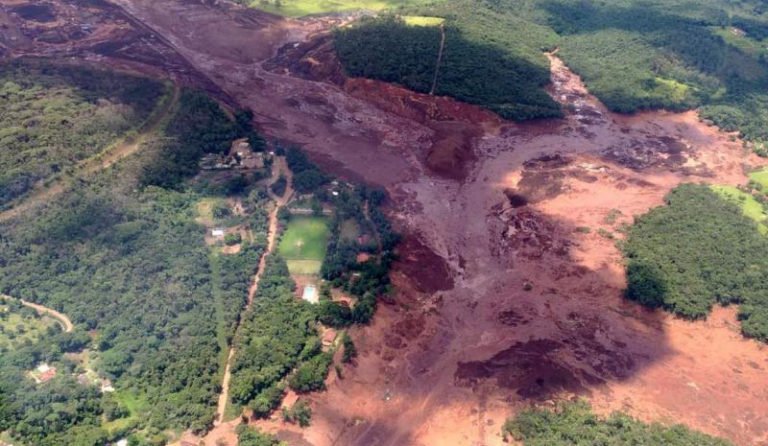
(509, 291)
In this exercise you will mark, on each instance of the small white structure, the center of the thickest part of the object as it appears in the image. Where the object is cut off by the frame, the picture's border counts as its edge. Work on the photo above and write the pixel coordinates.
(106, 386)
(217, 232)
(122, 442)
(43, 367)
(310, 294)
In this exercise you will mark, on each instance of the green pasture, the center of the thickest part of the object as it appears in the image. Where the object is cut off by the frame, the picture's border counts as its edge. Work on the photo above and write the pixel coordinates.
(420, 20)
(303, 244)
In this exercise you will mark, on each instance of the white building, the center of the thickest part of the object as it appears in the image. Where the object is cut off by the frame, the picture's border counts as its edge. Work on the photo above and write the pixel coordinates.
(310, 294)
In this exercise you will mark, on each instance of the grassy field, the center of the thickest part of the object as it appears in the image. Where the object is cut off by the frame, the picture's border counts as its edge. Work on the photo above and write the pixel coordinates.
(21, 325)
(751, 207)
(420, 20)
(299, 8)
(303, 244)
(760, 177)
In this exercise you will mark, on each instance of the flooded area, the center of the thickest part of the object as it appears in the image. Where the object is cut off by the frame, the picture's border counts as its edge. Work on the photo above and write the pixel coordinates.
(509, 283)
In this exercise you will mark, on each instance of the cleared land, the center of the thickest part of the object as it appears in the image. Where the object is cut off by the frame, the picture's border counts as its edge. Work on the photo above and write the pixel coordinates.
(748, 204)
(420, 20)
(299, 8)
(304, 243)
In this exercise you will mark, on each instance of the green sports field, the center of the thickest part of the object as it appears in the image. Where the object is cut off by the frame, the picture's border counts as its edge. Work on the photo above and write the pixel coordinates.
(303, 244)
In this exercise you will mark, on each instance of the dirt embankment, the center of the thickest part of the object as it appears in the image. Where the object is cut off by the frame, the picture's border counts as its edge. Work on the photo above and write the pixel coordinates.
(506, 299)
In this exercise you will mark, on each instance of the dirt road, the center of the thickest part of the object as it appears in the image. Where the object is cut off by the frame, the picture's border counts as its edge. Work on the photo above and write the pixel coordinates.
(225, 431)
(112, 154)
(64, 321)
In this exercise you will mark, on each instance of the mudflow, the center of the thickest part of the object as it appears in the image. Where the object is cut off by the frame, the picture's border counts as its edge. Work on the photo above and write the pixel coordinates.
(503, 300)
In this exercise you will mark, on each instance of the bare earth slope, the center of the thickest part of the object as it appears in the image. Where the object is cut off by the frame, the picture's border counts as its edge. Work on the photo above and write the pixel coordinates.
(503, 298)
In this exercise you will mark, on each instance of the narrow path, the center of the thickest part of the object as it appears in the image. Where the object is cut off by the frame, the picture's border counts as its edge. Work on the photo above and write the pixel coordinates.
(64, 321)
(100, 161)
(279, 168)
(439, 59)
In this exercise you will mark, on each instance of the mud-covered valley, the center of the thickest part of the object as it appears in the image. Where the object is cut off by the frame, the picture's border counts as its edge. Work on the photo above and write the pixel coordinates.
(502, 300)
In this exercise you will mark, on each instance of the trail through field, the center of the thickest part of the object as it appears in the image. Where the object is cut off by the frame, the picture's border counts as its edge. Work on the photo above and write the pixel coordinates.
(225, 431)
(439, 59)
(103, 160)
(63, 319)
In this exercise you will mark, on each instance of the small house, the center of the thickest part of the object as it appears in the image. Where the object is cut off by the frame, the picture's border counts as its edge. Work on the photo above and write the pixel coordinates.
(217, 232)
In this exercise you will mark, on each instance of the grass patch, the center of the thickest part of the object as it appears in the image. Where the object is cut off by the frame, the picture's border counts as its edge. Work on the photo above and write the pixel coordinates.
(350, 230)
(304, 267)
(749, 205)
(134, 403)
(299, 8)
(760, 177)
(420, 20)
(21, 325)
(305, 238)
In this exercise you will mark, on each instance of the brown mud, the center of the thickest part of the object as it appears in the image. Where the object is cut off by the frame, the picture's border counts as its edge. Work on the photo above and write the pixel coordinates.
(503, 298)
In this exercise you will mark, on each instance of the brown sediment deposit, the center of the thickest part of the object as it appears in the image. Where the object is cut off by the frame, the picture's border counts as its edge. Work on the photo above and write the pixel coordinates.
(502, 299)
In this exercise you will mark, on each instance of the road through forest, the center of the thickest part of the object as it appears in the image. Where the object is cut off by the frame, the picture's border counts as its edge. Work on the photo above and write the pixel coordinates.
(63, 319)
(222, 429)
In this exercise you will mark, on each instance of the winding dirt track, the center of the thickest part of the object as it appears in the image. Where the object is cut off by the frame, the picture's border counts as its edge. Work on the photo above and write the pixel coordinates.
(64, 321)
(225, 431)
(103, 160)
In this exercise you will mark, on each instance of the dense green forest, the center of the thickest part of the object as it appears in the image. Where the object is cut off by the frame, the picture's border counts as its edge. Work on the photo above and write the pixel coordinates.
(574, 423)
(632, 54)
(696, 251)
(276, 334)
(121, 253)
(53, 116)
